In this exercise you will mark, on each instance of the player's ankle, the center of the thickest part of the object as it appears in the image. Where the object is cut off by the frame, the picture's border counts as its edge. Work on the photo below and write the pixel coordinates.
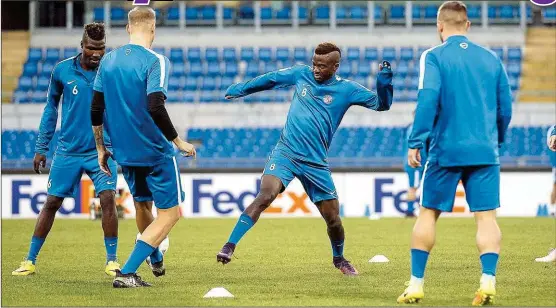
(414, 281)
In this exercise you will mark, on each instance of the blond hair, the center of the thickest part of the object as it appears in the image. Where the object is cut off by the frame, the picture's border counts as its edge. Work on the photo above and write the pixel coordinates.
(142, 16)
(453, 13)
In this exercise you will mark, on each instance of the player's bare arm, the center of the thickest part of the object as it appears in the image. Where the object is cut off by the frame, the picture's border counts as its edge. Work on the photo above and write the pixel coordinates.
(97, 117)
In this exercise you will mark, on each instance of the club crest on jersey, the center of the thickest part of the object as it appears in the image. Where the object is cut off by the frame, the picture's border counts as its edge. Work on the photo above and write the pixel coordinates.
(127, 51)
(327, 99)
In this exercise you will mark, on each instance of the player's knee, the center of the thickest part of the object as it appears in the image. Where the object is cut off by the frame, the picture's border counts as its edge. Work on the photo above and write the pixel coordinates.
(143, 206)
(265, 198)
(107, 200)
(333, 221)
(53, 203)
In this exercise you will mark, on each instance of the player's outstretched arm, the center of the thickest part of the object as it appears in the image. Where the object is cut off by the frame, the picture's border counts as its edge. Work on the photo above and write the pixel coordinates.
(97, 118)
(430, 84)
(504, 110)
(381, 100)
(48, 121)
(271, 80)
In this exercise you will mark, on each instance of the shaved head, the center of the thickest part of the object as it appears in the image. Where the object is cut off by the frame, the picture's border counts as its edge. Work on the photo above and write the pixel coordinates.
(141, 17)
(453, 14)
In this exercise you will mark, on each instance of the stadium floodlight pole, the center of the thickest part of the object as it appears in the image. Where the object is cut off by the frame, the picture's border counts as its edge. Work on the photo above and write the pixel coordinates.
(332, 16)
(408, 15)
(257, 9)
(32, 15)
(69, 15)
(484, 14)
(107, 16)
(182, 20)
(295, 14)
(523, 17)
(371, 15)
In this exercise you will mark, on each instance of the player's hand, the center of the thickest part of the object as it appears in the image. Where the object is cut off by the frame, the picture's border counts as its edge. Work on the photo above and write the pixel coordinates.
(103, 156)
(414, 158)
(552, 143)
(186, 149)
(39, 161)
(384, 64)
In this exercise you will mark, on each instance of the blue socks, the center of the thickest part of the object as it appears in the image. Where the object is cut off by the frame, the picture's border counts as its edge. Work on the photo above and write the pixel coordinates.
(111, 244)
(156, 256)
(410, 208)
(35, 247)
(418, 262)
(489, 261)
(139, 254)
(337, 248)
(243, 225)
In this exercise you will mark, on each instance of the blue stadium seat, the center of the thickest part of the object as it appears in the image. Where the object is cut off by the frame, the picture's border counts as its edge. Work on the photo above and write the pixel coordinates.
(252, 69)
(358, 12)
(474, 12)
(195, 69)
(364, 69)
(300, 54)
(176, 54)
(52, 55)
(514, 53)
(208, 12)
(371, 54)
(38, 97)
(42, 83)
(282, 53)
(402, 68)
(175, 83)
(389, 53)
(30, 69)
(284, 13)
(209, 84)
(303, 13)
(397, 12)
(194, 54)
(160, 50)
(207, 97)
(35, 55)
(549, 15)
(211, 54)
(228, 13)
(514, 68)
(265, 54)
(117, 14)
(231, 69)
(345, 69)
(174, 97)
(178, 69)
(20, 97)
(353, 54)
(226, 82)
(379, 14)
(229, 54)
(98, 14)
(266, 13)
(269, 66)
(406, 53)
(190, 96)
(191, 13)
(341, 13)
(69, 52)
(173, 13)
(213, 69)
(430, 11)
(247, 54)
(246, 12)
(416, 11)
(508, 11)
(47, 68)
(322, 13)
(499, 51)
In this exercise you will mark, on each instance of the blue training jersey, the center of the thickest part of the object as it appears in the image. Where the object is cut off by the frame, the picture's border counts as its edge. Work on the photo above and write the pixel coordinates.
(464, 104)
(552, 154)
(75, 84)
(422, 152)
(126, 76)
(317, 108)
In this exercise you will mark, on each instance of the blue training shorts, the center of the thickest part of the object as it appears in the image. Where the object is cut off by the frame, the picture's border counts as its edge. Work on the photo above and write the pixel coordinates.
(66, 171)
(160, 183)
(316, 180)
(481, 184)
(414, 176)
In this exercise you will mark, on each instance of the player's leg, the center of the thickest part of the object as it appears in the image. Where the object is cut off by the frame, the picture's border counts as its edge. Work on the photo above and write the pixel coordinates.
(164, 183)
(105, 187)
(438, 190)
(276, 176)
(551, 256)
(143, 218)
(413, 177)
(482, 190)
(64, 177)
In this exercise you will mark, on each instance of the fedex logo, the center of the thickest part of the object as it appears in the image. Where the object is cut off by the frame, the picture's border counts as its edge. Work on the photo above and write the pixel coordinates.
(225, 202)
(23, 192)
(383, 191)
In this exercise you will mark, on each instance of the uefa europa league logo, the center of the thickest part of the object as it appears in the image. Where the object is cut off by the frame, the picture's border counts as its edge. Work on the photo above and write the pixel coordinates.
(543, 2)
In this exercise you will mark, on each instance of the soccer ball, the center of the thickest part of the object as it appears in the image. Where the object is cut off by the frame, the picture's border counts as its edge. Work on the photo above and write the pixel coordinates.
(163, 246)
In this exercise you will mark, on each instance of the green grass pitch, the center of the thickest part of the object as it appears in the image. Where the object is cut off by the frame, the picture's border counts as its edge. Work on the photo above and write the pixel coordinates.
(279, 262)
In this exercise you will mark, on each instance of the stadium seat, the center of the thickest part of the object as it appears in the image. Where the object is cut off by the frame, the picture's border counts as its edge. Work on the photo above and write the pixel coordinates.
(20, 97)
(98, 14)
(231, 69)
(178, 69)
(246, 12)
(226, 82)
(30, 69)
(322, 13)
(364, 69)
(47, 68)
(213, 69)
(70, 52)
(389, 53)
(52, 55)
(117, 14)
(175, 83)
(474, 12)
(176, 55)
(229, 54)
(174, 97)
(208, 12)
(341, 13)
(397, 13)
(282, 54)
(549, 15)
(284, 13)
(300, 54)
(38, 97)
(173, 13)
(212, 54)
(269, 67)
(191, 14)
(265, 54)
(195, 69)
(42, 83)
(406, 53)
(353, 54)
(252, 69)
(190, 96)
(194, 54)
(208, 84)
(514, 53)
(191, 83)
(35, 55)
(499, 51)
(247, 54)
(371, 54)
(228, 13)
